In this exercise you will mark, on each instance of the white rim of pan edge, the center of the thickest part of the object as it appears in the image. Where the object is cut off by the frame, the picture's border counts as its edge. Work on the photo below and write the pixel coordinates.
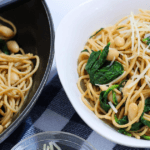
(102, 129)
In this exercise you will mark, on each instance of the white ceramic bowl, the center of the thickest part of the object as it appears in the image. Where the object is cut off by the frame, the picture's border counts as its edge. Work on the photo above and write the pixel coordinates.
(71, 35)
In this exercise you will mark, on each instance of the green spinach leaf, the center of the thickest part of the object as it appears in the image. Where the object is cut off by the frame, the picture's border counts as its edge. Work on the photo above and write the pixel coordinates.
(147, 105)
(108, 73)
(3, 47)
(92, 59)
(103, 97)
(122, 121)
(110, 89)
(147, 40)
(99, 70)
(123, 131)
(95, 61)
(85, 50)
(136, 126)
(145, 137)
(104, 94)
(96, 32)
(145, 122)
(99, 63)
(114, 98)
(146, 109)
(103, 101)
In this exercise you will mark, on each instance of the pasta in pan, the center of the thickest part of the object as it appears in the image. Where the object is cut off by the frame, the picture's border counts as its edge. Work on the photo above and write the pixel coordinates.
(114, 74)
(16, 70)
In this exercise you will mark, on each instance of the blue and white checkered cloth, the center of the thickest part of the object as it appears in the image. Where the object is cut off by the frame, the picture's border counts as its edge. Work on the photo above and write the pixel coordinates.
(54, 112)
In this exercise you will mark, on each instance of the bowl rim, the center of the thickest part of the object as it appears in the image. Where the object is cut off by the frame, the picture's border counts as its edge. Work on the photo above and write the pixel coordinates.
(52, 133)
(34, 99)
(125, 142)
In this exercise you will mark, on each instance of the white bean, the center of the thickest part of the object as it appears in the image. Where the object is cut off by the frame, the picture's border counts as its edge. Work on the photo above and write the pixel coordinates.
(119, 41)
(112, 54)
(13, 46)
(132, 111)
(6, 32)
(13, 78)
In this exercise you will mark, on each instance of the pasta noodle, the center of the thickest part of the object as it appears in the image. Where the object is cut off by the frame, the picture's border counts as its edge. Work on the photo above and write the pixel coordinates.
(16, 71)
(129, 46)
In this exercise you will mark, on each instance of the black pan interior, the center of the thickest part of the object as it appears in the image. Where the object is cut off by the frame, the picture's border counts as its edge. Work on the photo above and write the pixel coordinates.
(34, 35)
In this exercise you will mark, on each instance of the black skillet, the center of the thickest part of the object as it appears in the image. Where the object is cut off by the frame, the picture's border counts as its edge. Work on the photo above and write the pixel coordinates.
(35, 34)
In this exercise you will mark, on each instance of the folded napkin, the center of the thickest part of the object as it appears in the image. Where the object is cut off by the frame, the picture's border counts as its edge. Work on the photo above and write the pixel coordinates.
(54, 112)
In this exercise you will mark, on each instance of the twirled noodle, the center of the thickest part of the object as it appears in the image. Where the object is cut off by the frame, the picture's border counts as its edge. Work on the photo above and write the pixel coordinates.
(16, 71)
(126, 37)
